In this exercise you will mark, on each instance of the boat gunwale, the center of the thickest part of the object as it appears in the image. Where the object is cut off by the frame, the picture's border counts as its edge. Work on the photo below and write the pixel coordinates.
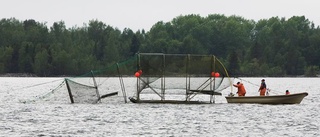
(271, 96)
(273, 99)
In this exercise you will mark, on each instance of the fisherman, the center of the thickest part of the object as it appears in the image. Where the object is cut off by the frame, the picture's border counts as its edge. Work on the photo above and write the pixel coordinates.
(241, 89)
(287, 92)
(263, 88)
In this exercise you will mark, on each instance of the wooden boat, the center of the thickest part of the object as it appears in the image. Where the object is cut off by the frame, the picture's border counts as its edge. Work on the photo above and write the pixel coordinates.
(272, 99)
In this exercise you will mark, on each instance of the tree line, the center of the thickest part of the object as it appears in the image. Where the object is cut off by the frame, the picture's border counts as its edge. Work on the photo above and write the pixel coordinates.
(268, 47)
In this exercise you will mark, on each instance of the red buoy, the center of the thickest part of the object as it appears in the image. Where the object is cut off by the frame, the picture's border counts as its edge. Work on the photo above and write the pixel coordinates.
(137, 74)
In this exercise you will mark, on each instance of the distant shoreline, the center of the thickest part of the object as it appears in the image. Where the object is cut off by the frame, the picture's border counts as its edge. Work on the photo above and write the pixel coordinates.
(18, 75)
(34, 75)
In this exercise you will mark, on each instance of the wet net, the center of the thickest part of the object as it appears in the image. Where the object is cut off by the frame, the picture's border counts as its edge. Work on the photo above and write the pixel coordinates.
(98, 84)
(80, 92)
(170, 75)
(152, 76)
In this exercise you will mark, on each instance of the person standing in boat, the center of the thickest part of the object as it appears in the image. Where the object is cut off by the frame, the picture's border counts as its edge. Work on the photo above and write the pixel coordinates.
(263, 88)
(241, 89)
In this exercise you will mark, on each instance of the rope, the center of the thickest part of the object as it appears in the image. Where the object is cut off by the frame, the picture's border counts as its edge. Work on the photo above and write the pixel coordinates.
(249, 82)
(45, 95)
(268, 89)
(36, 85)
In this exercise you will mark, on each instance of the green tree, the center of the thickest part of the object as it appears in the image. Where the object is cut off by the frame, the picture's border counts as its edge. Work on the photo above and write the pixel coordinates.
(41, 64)
(312, 71)
(62, 63)
(96, 33)
(135, 44)
(26, 57)
(233, 64)
(5, 59)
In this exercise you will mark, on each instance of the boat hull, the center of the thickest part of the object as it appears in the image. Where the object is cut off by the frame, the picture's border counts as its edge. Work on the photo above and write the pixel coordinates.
(275, 99)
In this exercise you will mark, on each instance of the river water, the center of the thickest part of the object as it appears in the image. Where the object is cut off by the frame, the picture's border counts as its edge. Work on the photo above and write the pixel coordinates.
(28, 107)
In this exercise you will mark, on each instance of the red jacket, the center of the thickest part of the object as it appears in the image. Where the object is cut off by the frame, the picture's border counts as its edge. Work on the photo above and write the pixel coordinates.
(241, 89)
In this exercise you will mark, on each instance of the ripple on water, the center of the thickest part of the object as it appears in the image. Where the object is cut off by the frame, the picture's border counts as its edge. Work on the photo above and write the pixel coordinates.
(113, 117)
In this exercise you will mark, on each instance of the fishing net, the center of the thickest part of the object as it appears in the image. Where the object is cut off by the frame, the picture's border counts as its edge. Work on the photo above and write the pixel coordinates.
(82, 93)
(167, 75)
(157, 77)
(98, 84)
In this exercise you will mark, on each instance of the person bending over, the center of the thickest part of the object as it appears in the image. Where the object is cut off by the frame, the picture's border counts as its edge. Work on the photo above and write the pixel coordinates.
(241, 89)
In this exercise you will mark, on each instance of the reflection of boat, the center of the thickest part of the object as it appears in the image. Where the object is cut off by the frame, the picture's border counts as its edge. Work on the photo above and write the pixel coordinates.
(274, 99)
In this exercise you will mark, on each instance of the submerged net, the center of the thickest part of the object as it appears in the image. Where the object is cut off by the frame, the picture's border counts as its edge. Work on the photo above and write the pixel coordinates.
(80, 92)
(98, 84)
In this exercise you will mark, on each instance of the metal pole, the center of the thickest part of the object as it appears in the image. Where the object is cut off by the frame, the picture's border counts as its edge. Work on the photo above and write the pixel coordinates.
(187, 76)
(138, 82)
(214, 78)
(122, 84)
(69, 91)
(96, 86)
(163, 84)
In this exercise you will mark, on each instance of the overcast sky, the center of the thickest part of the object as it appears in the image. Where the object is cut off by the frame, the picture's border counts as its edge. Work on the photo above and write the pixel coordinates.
(142, 14)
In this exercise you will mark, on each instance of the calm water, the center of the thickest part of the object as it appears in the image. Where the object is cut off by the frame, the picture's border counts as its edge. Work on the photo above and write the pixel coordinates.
(28, 108)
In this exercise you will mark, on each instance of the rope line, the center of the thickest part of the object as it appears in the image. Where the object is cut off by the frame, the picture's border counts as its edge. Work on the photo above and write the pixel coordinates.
(40, 84)
(45, 95)
(268, 89)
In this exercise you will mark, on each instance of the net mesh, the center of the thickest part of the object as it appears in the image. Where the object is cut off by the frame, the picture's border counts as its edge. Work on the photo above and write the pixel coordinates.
(97, 84)
(158, 76)
(83, 91)
(180, 74)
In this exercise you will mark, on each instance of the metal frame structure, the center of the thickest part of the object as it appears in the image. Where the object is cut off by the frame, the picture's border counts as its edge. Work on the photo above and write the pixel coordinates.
(207, 87)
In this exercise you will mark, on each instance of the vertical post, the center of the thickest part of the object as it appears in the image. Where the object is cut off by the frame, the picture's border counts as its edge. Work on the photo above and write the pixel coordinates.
(69, 90)
(96, 86)
(138, 89)
(138, 82)
(187, 76)
(211, 77)
(214, 79)
(163, 85)
(122, 84)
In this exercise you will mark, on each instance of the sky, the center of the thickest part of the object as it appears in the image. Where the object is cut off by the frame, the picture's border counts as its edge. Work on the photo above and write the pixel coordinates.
(143, 14)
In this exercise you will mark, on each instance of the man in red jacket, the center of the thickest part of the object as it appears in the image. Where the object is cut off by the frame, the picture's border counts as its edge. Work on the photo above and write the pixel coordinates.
(263, 88)
(241, 89)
